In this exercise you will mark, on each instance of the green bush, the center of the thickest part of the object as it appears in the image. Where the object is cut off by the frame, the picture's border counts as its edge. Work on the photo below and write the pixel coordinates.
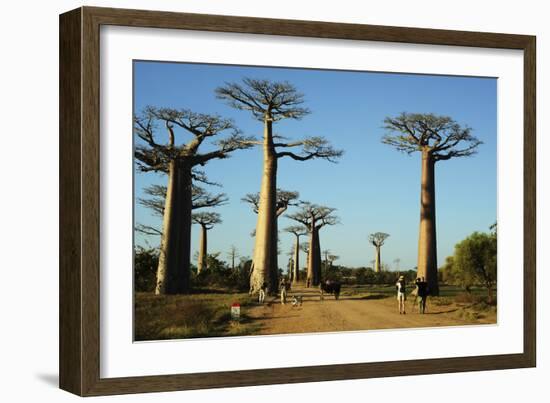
(145, 268)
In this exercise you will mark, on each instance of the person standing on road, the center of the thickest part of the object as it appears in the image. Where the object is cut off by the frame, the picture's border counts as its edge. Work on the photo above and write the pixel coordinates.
(261, 294)
(401, 289)
(422, 294)
(282, 288)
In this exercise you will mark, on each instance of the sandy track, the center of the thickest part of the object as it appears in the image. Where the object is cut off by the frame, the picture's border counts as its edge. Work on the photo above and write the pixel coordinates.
(350, 313)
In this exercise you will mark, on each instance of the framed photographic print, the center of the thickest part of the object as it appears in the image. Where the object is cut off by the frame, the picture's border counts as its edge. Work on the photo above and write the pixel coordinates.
(250, 201)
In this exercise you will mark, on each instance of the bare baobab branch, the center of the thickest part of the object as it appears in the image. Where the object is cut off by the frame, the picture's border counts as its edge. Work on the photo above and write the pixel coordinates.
(312, 147)
(440, 135)
(378, 238)
(258, 96)
(253, 199)
(314, 214)
(225, 147)
(207, 219)
(155, 156)
(297, 230)
(200, 176)
(285, 198)
(200, 198)
(148, 230)
(156, 199)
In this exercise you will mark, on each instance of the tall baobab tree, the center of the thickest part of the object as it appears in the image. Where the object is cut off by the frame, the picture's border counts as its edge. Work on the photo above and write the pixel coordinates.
(437, 138)
(377, 239)
(396, 261)
(271, 102)
(178, 160)
(233, 254)
(290, 266)
(332, 259)
(298, 231)
(206, 220)
(314, 217)
(326, 254)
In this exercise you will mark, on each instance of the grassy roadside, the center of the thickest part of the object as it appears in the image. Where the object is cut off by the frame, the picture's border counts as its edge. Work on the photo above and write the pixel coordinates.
(206, 313)
(190, 316)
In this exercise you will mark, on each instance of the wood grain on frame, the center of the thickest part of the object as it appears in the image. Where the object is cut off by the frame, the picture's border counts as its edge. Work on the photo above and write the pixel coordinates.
(79, 200)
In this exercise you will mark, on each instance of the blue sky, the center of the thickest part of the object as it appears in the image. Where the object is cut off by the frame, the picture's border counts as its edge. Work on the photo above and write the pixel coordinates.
(374, 187)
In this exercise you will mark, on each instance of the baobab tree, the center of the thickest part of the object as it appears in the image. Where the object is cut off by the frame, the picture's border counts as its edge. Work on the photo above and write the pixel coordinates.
(332, 259)
(378, 239)
(233, 254)
(437, 138)
(271, 102)
(178, 160)
(206, 220)
(314, 217)
(396, 261)
(285, 198)
(297, 231)
(327, 255)
(290, 266)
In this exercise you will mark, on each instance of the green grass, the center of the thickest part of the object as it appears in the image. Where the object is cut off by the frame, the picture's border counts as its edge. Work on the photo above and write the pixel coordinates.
(190, 316)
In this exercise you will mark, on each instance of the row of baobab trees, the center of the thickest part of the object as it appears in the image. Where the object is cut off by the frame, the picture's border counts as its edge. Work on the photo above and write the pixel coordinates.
(310, 220)
(437, 138)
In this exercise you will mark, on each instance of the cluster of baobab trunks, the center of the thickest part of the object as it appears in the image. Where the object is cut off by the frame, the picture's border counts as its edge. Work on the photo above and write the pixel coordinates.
(436, 137)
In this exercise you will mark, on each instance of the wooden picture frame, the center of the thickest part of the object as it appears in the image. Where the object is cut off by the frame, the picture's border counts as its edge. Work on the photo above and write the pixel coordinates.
(79, 201)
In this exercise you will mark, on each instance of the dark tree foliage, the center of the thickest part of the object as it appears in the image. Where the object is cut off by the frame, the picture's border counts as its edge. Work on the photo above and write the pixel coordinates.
(145, 268)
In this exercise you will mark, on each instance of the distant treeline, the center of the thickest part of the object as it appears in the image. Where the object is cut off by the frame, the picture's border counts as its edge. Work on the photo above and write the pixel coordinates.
(474, 263)
(220, 275)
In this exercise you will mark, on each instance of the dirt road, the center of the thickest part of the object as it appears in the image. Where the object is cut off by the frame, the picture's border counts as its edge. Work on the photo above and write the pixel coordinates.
(353, 312)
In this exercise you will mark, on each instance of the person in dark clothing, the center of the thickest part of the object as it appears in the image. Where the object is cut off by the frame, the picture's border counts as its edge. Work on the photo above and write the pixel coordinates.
(422, 294)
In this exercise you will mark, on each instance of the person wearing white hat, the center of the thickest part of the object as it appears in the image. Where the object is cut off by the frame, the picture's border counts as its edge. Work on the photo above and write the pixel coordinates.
(400, 286)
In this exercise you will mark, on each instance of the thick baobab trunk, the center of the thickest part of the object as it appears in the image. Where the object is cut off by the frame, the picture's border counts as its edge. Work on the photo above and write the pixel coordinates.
(427, 246)
(314, 258)
(310, 254)
(175, 248)
(201, 262)
(296, 265)
(274, 266)
(265, 247)
(377, 260)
